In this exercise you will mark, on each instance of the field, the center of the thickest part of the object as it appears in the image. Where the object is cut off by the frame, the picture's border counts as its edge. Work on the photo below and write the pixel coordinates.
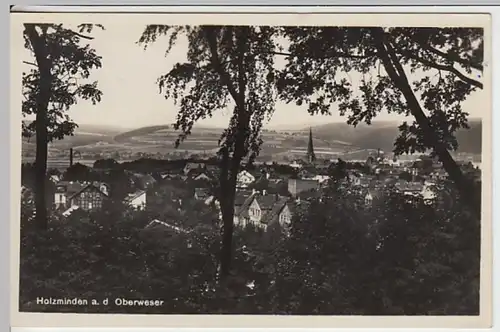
(330, 140)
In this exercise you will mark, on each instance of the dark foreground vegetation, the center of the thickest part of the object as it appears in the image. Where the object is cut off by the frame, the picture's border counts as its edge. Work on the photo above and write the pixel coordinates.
(401, 256)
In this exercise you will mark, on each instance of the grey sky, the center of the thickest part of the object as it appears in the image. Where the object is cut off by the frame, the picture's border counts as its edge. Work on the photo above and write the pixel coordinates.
(131, 97)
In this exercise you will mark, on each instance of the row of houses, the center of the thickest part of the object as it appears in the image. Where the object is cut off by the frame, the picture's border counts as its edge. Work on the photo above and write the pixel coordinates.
(73, 195)
(261, 210)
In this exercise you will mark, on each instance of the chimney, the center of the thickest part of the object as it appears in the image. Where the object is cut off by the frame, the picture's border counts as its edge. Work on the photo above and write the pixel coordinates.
(264, 192)
(70, 157)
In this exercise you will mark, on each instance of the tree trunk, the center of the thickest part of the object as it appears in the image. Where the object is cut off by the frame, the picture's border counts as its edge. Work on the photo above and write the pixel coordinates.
(398, 76)
(227, 209)
(231, 165)
(38, 43)
(41, 171)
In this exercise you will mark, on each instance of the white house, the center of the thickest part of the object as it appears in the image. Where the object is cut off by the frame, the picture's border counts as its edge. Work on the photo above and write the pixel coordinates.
(321, 178)
(285, 216)
(244, 179)
(428, 191)
(202, 176)
(295, 164)
(55, 178)
(137, 200)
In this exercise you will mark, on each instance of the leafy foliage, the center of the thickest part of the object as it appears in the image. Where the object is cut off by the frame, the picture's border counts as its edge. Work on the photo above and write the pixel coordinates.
(442, 61)
(401, 256)
(200, 86)
(70, 67)
(227, 67)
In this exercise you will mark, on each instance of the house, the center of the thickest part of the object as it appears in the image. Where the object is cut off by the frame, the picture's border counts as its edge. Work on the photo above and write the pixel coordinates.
(190, 166)
(55, 178)
(262, 210)
(429, 191)
(410, 188)
(86, 196)
(371, 195)
(321, 178)
(240, 199)
(438, 174)
(296, 164)
(355, 178)
(198, 174)
(305, 174)
(244, 179)
(295, 186)
(137, 200)
(167, 176)
(90, 197)
(65, 189)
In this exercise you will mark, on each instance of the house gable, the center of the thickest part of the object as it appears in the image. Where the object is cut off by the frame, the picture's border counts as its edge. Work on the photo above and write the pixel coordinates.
(245, 177)
(285, 216)
(90, 197)
(202, 176)
(254, 211)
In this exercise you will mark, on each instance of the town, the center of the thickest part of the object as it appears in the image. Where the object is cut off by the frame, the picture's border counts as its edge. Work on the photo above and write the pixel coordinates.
(266, 193)
(252, 169)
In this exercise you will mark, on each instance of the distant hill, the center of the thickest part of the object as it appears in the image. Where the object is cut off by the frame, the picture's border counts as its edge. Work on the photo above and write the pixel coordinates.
(383, 134)
(99, 129)
(83, 135)
(140, 132)
(169, 128)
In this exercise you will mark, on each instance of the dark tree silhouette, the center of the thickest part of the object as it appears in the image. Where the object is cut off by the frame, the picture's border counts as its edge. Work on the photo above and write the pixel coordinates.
(227, 67)
(319, 58)
(105, 163)
(54, 83)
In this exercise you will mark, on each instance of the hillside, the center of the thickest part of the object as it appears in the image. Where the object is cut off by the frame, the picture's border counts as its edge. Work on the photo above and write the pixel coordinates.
(99, 129)
(125, 136)
(383, 134)
(330, 141)
(84, 135)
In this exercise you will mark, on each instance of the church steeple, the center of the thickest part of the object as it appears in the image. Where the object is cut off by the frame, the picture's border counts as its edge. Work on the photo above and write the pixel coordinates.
(311, 157)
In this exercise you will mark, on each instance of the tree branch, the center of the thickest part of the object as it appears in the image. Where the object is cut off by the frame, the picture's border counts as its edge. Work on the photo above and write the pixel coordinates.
(450, 57)
(396, 72)
(331, 55)
(448, 68)
(30, 63)
(226, 79)
(81, 36)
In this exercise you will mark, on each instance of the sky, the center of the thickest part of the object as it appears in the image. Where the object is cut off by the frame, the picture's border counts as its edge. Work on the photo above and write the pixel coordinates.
(131, 97)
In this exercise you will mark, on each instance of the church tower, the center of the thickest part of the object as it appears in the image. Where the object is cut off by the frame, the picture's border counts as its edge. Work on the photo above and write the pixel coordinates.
(311, 157)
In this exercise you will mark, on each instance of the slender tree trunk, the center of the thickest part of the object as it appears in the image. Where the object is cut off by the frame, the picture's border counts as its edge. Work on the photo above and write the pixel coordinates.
(396, 72)
(231, 165)
(42, 101)
(227, 209)
(41, 171)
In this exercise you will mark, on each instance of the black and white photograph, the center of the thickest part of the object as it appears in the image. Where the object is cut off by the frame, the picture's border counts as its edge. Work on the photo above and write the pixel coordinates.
(226, 165)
